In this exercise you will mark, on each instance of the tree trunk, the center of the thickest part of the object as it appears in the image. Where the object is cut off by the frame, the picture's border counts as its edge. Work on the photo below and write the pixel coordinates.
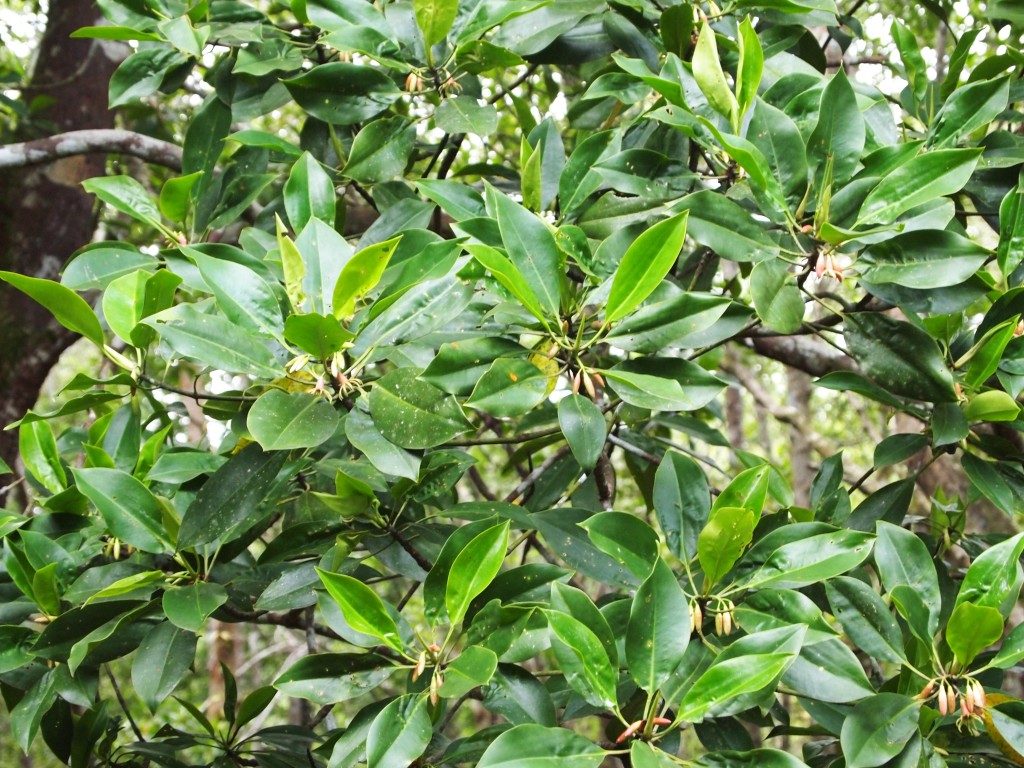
(44, 213)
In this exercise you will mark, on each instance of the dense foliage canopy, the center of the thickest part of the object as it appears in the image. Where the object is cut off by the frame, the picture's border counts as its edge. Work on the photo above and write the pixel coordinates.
(457, 290)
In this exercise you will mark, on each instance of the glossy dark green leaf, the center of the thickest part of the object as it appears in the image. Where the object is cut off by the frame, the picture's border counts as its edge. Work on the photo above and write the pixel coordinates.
(774, 133)
(67, 307)
(519, 697)
(828, 671)
(242, 295)
(510, 387)
(644, 265)
(625, 538)
(839, 133)
(435, 18)
(343, 93)
(902, 559)
(776, 297)
(308, 193)
(583, 659)
(865, 618)
(412, 413)
(663, 384)
(215, 341)
(506, 273)
(189, 606)
(230, 498)
(536, 746)
(141, 74)
(658, 631)
(464, 114)
(878, 728)
(1011, 650)
(161, 662)
(285, 420)
(327, 678)
(900, 357)
(381, 150)
(682, 502)
(532, 249)
(583, 425)
(379, 451)
(967, 109)
(723, 226)
(37, 447)
(129, 509)
(399, 734)
(897, 448)
(816, 558)
(922, 178)
(722, 541)
(925, 259)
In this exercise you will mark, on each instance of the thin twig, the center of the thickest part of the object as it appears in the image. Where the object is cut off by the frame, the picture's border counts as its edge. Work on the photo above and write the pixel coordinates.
(124, 705)
(535, 475)
(407, 545)
(195, 394)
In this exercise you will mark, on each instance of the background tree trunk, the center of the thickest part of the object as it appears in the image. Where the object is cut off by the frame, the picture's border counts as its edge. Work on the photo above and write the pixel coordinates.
(44, 213)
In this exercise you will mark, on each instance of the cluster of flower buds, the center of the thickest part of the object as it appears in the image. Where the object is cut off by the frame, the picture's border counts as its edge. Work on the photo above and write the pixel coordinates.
(828, 265)
(696, 616)
(588, 380)
(413, 82)
(971, 697)
(725, 617)
(638, 725)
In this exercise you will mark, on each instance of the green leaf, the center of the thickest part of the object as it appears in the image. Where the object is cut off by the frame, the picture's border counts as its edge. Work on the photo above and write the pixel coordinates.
(922, 178)
(682, 502)
(658, 631)
(472, 668)
(828, 671)
(435, 18)
(707, 71)
(363, 609)
(899, 356)
(412, 413)
(532, 249)
(400, 733)
(626, 539)
(126, 195)
(308, 193)
(382, 454)
(839, 133)
(190, 606)
(749, 489)
(1011, 650)
(506, 273)
(342, 93)
(776, 297)
(994, 577)
(727, 534)
(813, 559)
(242, 295)
(583, 426)
(510, 387)
(663, 384)
(67, 307)
(994, 405)
(583, 659)
(902, 559)
(360, 275)
(37, 448)
(723, 226)
(464, 114)
(214, 341)
(865, 618)
(924, 259)
(537, 746)
(176, 196)
(163, 658)
(473, 569)
(971, 629)
(878, 728)
(317, 335)
(231, 498)
(749, 666)
(328, 678)
(748, 74)
(644, 265)
(381, 150)
(130, 510)
(968, 108)
(142, 74)
(284, 420)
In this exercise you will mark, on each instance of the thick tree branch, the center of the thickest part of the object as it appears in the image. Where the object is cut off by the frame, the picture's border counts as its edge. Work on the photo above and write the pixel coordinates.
(804, 354)
(90, 141)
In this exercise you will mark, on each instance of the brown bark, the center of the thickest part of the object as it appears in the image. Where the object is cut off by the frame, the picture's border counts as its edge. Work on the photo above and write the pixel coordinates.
(44, 213)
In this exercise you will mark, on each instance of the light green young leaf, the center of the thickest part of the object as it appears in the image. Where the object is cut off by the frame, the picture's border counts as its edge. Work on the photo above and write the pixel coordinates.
(644, 265)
